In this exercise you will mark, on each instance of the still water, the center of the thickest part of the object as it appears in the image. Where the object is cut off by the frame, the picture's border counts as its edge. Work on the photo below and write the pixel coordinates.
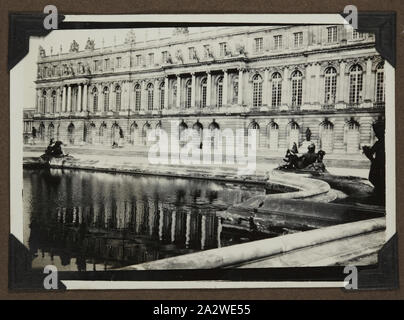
(81, 220)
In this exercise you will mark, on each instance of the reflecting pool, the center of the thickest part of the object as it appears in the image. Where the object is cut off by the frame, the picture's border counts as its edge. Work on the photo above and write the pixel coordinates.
(81, 220)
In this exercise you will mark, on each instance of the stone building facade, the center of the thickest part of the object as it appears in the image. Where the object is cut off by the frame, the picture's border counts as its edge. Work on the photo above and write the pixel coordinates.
(282, 81)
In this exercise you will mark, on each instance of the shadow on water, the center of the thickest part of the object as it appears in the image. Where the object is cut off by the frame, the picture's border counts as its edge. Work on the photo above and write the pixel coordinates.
(85, 221)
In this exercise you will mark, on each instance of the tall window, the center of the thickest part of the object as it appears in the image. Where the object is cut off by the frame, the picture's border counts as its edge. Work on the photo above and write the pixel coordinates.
(118, 62)
(257, 91)
(277, 42)
(191, 53)
(43, 102)
(380, 83)
(139, 60)
(106, 98)
(298, 39)
(53, 97)
(203, 93)
(297, 83)
(151, 59)
(330, 85)
(259, 45)
(107, 65)
(219, 92)
(118, 98)
(355, 84)
(223, 49)
(164, 56)
(75, 94)
(276, 89)
(162, 93)
(206, 49)
(137, 97)
(188, 94)
(235, 90)
(150, 96)
(332, 35)
(95, 99)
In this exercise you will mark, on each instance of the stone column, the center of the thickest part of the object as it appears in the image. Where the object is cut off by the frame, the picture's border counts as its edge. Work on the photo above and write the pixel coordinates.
(285, 87)
(63, 108)
(111, 105)
(225, 84)
(143, 96)
(178, 91)
(166, 93)
(265, 90)
(85, 97)
(79, 98)
(208, 89)
(100, 106)
(69, 99)
(369, 77)
(317, 84)
(240, 87)
(156, 96)
(37, 101)
(341, 85)
(193, 90)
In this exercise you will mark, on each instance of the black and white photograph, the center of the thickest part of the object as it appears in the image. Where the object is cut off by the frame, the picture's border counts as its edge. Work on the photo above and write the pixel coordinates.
(215, 152)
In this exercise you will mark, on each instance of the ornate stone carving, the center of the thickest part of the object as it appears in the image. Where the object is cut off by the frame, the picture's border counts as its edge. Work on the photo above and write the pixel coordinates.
(180, 31)
(74, 46)
(130, 37)
(42, 52)
(179, 56)
(90, 45)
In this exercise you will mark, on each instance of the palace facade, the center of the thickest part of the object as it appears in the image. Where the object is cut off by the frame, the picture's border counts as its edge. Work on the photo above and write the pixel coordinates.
(283, 81)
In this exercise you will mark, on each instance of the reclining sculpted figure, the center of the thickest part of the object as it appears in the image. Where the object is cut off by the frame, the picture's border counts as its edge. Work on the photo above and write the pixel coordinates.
(309, 160)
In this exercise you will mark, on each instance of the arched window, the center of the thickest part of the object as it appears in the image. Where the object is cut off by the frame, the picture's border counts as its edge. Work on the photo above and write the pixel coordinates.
(118, 98)
(254, 128)
(102, 135)
(182, 131)
(355, 84)
(145, 132)
(273, 134)
(162, 94)
(75, 94)
(95, 99)
(43, 102)
(70, 133)
(51, 131)
(326, 136)
(133, 133)
(53, 102)
(188, 94)
(174, 94)
(235, 90)
(330, 85)
(276, 89)
(106, 99)
(294, 130)
(203, 93)
(380, 83)
(150, 91)
(219, 92)
(297, 84)
(137, 97)
(41, 132)
(352, 136)
(257, 91)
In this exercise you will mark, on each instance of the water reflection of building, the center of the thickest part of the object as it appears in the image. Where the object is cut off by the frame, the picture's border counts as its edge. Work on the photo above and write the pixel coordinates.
(122, 219)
